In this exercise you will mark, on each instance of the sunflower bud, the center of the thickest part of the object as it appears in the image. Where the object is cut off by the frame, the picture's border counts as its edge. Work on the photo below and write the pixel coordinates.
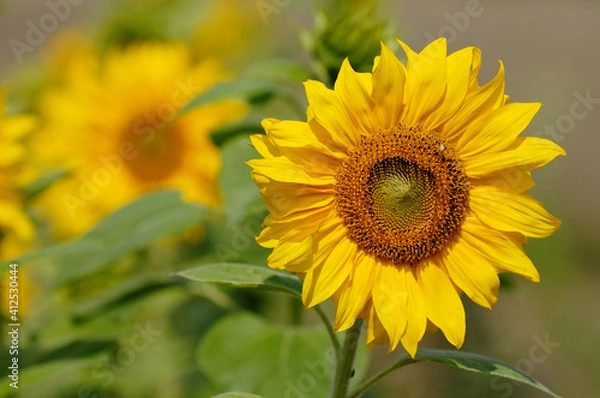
(346, 29)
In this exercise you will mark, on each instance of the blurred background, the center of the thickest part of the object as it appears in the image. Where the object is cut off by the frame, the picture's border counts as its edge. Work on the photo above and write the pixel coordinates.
(124, 326)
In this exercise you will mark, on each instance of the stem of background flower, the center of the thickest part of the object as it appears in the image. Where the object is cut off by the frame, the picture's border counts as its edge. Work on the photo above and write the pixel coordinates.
(402, 361)
(345, 361)
(332, 335)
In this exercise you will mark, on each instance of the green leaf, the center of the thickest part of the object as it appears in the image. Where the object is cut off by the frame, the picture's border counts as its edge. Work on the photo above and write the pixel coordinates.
(57, 374)
(240, 193)
(38, 186)
(245, 275)
(242, 352)
(249, 125)
(279, 70)
(149, 218)
(462, 360)
(252, 91)
(237, 395)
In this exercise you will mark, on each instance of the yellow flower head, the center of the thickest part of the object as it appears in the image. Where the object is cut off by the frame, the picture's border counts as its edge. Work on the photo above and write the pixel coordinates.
(112, 125)
(16, 230)
(405, 187)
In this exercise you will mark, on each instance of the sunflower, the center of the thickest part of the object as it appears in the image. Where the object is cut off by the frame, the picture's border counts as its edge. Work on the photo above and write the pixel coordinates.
(112, 125)
(16, 229)
(405, 187)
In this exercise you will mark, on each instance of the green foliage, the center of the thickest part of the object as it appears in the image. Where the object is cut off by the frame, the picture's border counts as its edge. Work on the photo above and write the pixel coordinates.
(465, 361)
(147, 219)
(247, 276)
(251, 91)
(346, 29)
(278, 70)
(242, 352)
(38, 186)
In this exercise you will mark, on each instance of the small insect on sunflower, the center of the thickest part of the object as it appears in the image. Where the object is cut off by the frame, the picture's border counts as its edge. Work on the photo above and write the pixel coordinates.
(405, 187)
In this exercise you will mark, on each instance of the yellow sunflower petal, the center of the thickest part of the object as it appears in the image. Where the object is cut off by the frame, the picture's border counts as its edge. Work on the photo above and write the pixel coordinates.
(514, 180)
(416, 324)
(498, 131)
(389, 76)
(283, 170)
(390, 298)
(357, 100)
(426, 80)
(376, 333)
(472, 272)
(330, 270)
(295, 226)
(477, 103)
(294, 134)
(329, 111)
(505, 254)
(508, 211)
(291, 255)
(531, 153)
(442, 303)
(354, 295)
(459, 77)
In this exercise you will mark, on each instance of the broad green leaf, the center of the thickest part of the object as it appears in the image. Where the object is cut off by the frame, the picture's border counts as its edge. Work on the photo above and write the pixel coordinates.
(237, 395)
(35, 379)
(242, 352)
(279, 70)
(252, 91)
(467, 361)
(245, 275)
(147, 219)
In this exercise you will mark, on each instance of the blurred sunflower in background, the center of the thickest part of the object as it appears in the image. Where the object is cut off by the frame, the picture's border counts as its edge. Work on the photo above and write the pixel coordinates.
(17, 231)
(113, 126)
(16, 228)
(405, 187)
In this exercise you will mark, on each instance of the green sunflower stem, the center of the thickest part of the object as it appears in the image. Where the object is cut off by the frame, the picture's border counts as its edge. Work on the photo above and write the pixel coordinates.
(345, 361)
(403, 361)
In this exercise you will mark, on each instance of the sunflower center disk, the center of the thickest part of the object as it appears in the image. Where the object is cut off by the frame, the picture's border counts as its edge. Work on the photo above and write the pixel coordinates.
(402, 194)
